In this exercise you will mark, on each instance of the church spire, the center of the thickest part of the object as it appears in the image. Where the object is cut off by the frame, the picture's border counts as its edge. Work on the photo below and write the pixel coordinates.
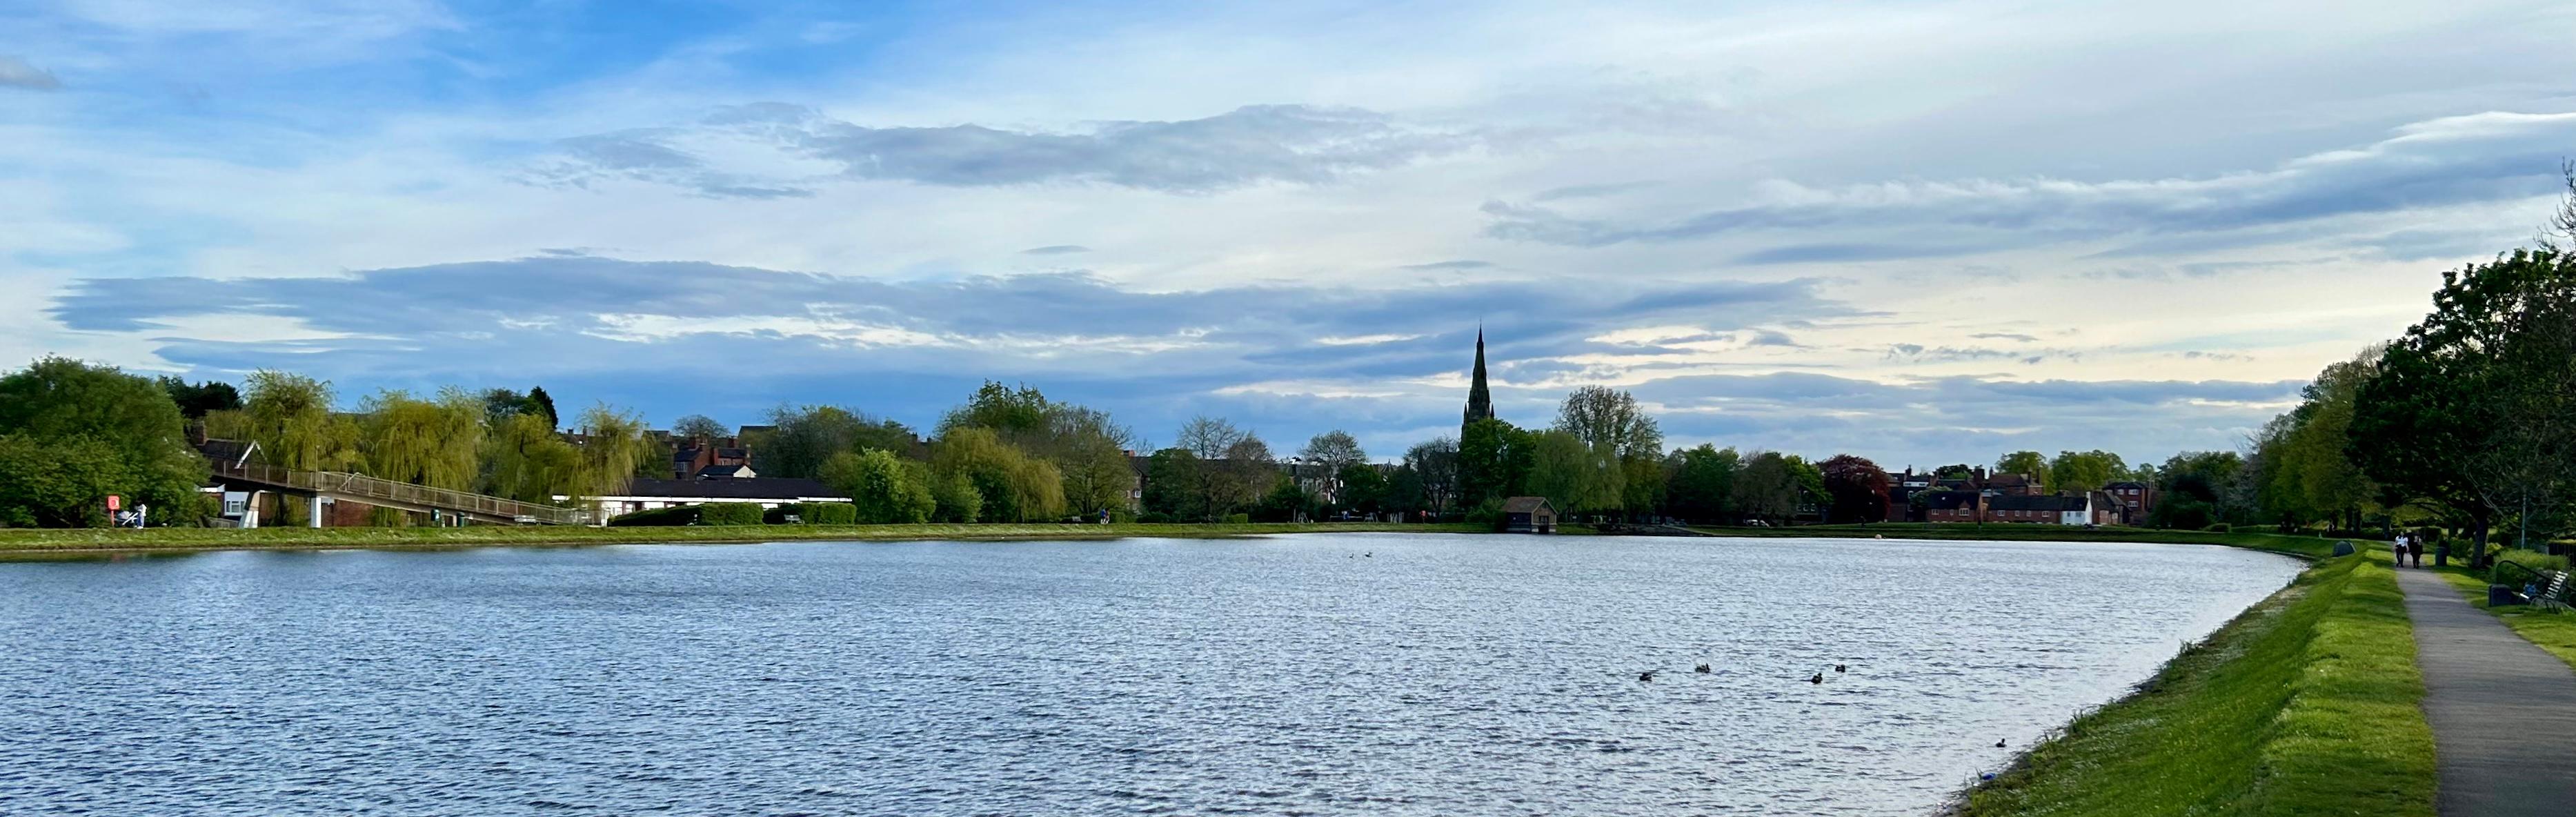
(1480, 402)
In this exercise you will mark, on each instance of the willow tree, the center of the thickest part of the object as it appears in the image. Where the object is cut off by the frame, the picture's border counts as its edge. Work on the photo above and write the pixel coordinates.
(612, 442)
(1014, 486)
(525, 459)
(437, 442)
(289, 416)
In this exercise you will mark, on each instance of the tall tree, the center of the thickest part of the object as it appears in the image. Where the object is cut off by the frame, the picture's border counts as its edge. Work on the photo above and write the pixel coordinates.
(1766, 487)
(115, 429)
(539, 402)
(197, 399)
(698, 427)
(806, 436)
(2085, 470)
(1435, 465)
(1858, 488)
(290, 418)
(1703, 481)
(612, 442)
(1574, 476)
(1602, 416)
(882, 488)
(1172, 481)
(437, 443)
(2472, 407)
(1494, 461)
(2023, 462)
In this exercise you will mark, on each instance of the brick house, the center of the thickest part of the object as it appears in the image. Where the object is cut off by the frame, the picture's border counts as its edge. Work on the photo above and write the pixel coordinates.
(2140, 498)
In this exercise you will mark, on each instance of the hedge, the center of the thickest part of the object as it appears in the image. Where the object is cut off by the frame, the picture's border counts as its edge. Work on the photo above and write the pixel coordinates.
(657, 518)
(729, 513)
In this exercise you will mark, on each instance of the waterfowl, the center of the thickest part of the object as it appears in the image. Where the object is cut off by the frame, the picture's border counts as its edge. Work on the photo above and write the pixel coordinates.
(1818, 678)
(1999, 743)
(1702, 669)
(1648, 675)
(1841, 668)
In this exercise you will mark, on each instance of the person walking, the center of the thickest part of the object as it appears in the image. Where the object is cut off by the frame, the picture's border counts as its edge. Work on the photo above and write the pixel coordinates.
(2415, 551)
(2397, 551)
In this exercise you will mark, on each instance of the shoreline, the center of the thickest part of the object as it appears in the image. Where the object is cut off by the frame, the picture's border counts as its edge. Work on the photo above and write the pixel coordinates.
(34, 542)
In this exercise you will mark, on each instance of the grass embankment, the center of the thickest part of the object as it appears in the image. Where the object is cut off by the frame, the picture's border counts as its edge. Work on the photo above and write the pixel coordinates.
(2555, 632)
(2309, 546)
(95, 539)
(2306, 704)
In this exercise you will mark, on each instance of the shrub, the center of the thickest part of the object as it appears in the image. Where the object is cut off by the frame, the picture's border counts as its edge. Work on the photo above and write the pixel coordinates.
(2220, 527)
(830, 513)
(729, 513)
(1488, 513)
(657, 518)
(1239, 519)
(2533, 559)
(1154, 518)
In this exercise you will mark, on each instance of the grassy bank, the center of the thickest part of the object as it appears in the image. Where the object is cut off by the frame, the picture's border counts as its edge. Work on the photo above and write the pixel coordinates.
(2305, 704)
(2309, 546)
(24, 540)
(2555, 632)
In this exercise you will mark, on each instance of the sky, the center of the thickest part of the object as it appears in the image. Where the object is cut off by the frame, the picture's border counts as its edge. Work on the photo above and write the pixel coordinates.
(1924, 233)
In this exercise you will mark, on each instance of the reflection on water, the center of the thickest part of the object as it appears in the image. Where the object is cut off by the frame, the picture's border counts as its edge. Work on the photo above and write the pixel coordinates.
(1325, 674)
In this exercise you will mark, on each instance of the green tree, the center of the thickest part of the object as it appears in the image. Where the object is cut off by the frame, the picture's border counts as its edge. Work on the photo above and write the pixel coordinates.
(1703, 481)
(1020, 416)
(526, 460)
(881, 487)
(806, 436)
(60, 402)
(1172, 485)
(539, 402)
(1766, 487)
(2023, 462)
(290, 418)
(2085, 470)
(612, 442)
(1014, 486)
(1434, 464)
(2471, 408)
(58, 482)
(1494, 461)
(438, 443)
(1575, 477)
(1364, 490)
(698, 427)
(953, 496)
(197, 399)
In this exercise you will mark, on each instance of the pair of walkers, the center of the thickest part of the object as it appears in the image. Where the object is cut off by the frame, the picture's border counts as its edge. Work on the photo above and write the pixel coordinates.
(2408, 546)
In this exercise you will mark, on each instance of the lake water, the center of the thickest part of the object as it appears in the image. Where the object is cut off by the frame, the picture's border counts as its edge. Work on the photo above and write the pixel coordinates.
(1319, 674)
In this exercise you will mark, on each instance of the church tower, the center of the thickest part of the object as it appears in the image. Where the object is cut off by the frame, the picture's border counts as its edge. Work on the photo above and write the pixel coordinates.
(1480, 403)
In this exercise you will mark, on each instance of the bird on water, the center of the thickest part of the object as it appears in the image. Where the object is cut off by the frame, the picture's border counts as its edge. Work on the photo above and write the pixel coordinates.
(1999, 743)
(1817, 678)
(1702, 668)
(1842, 668)
(1648, 675)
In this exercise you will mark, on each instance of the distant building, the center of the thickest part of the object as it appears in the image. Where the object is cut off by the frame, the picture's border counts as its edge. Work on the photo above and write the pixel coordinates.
(1955, 506)
(2075, 509)
(768, 492)
(1529, 514)
(693, 456)
(2139, 496)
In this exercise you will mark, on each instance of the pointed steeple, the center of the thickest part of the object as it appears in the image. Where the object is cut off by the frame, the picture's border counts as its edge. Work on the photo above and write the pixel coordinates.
(1480, 402)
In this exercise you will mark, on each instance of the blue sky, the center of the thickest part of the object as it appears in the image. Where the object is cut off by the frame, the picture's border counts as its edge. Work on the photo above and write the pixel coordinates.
(1921, 232)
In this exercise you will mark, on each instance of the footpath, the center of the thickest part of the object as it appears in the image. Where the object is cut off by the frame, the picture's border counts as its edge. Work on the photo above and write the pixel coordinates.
(2503, 711)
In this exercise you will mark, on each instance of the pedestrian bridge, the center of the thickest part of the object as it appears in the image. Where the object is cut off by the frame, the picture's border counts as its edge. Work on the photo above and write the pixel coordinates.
(340, 486)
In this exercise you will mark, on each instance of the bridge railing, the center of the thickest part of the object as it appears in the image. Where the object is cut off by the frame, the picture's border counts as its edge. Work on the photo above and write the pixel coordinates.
(363, 486)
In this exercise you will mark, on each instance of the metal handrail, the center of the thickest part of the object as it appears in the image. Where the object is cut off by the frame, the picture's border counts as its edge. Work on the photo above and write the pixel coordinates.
(361, 485)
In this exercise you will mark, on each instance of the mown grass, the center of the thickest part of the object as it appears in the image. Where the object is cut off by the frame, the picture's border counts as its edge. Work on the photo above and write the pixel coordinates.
(2555, 632)
(2307, 704)
(95, 539)
(2309, 546)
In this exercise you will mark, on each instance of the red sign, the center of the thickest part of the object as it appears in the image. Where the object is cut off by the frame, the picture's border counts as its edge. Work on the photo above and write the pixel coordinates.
(115, 502)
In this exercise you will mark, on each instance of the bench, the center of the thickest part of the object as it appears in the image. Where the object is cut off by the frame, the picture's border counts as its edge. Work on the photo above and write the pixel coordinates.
(2552, 595)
